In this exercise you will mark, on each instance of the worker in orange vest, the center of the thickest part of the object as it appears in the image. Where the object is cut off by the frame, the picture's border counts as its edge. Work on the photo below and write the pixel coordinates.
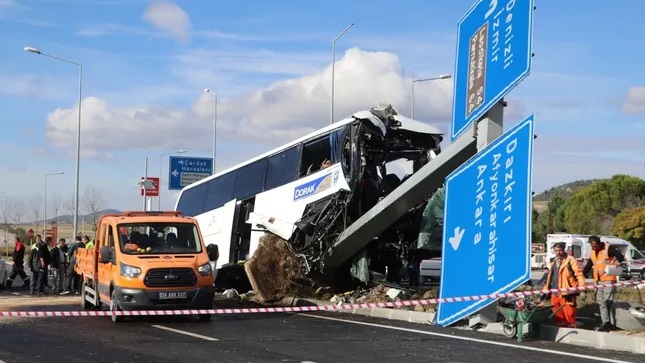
(602, 256)
(564, 273)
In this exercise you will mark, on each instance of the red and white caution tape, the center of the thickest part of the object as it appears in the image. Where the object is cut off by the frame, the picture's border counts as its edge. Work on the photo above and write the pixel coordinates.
(295, 309)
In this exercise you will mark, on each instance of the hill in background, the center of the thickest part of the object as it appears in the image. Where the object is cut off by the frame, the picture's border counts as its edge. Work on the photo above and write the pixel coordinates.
(541, 201)
(69, 219)
(564, 190)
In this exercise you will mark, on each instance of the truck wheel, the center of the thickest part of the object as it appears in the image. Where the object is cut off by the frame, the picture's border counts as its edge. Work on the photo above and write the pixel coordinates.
(84, 303)
(114, 307)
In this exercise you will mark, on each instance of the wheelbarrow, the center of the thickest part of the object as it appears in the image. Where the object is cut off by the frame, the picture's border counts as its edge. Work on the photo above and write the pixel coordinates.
(514, 319)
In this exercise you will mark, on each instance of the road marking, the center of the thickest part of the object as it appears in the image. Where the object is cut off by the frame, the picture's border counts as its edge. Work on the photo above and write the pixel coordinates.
(589, 357)
(210, 339)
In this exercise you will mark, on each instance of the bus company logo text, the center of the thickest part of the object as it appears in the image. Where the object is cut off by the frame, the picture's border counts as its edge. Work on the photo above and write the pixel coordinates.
(313, 187)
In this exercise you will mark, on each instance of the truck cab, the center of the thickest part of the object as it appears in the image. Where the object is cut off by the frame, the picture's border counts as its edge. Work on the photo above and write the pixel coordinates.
(146, 261)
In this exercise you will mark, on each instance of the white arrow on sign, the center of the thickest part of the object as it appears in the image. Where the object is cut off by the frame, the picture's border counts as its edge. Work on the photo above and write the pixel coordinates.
(455, 240)
(175, 173)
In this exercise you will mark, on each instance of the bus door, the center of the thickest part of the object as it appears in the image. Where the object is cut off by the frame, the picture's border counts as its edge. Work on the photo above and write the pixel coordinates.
(216, 226)
(241, 235)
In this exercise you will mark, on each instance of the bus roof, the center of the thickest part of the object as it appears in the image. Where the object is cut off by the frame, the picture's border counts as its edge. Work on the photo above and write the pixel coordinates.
(406, 124)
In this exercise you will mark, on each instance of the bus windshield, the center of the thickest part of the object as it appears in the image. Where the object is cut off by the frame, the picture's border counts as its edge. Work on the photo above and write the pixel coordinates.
(159, 238)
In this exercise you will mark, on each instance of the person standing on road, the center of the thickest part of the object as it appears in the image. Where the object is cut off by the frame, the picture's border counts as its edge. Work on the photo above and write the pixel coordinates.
(603, 255)
(564, 273)
(33, 261)
(40, 263)
(72, 282)
(59, 264)
(18, 264)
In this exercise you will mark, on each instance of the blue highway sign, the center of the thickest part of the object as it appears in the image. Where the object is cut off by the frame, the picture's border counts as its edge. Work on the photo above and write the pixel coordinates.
(487, 227)
(494, 45)
(184, 171)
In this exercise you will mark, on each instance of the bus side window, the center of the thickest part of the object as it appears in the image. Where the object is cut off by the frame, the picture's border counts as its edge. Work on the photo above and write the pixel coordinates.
(314, 155)
(282, 168)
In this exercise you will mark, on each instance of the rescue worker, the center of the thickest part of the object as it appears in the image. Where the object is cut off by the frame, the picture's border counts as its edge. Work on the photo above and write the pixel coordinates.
(33, 257)
(603, 255)
(564, 272)
(18, 264)
(88, 242)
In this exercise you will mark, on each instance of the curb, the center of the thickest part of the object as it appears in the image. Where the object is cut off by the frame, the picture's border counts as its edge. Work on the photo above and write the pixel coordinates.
(578, 337)
(416, 317)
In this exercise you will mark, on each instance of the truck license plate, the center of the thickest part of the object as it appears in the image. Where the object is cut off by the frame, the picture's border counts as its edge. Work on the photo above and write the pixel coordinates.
(172, 295)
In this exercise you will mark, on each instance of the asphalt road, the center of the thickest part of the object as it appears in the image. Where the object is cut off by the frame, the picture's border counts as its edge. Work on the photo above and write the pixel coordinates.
(315, 337)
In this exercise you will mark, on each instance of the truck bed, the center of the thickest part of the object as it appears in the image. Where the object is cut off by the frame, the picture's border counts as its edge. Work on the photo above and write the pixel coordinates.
(86, 262)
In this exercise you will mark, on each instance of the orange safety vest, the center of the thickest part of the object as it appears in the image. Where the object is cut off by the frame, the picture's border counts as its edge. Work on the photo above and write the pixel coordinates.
(569, 275)
(601, 260)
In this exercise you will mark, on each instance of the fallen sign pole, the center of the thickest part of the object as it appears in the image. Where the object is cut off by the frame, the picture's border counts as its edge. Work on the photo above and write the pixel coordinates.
(296, 309)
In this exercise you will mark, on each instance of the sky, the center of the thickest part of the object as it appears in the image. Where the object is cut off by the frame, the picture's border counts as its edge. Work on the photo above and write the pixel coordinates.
(146, 65)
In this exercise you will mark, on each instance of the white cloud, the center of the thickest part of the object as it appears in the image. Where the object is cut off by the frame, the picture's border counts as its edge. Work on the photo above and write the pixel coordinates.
(276, 114)
(169, 18)
(635, 102)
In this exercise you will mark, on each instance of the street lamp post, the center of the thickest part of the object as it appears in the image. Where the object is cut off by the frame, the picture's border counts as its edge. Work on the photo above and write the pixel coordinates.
(333, 67)
(5, 229)
(214, 126)
(144, 185)
(45, 215)
(442, 76)
(160, 162)
(78, 130)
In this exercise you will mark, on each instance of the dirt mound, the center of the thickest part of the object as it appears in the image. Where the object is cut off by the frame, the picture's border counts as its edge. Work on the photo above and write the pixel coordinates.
(274, 270)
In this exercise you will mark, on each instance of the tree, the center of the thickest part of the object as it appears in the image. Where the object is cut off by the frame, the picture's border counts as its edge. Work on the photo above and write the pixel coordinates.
(56, 205)
(68, 206)
(93, 202)
(592, 210)
(17, 208)
(630, 225)
(550, 220)
(536, 235)
(556, 214)
(36, 206)
(5, 216)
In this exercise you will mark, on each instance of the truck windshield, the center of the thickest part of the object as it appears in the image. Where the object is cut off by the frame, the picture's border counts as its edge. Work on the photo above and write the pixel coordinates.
(159, 238)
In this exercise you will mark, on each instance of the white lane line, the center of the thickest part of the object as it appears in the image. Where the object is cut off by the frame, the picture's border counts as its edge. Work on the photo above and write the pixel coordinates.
(210, 339)
(508, 345)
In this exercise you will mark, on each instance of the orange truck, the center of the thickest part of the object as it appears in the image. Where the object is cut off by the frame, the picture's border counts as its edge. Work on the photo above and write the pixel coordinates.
(146, 261)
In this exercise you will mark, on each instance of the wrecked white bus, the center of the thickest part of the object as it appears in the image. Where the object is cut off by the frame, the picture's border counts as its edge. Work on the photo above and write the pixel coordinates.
(310, 190)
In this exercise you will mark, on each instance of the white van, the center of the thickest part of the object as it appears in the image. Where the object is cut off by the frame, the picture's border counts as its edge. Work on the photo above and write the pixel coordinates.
(574, 245)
